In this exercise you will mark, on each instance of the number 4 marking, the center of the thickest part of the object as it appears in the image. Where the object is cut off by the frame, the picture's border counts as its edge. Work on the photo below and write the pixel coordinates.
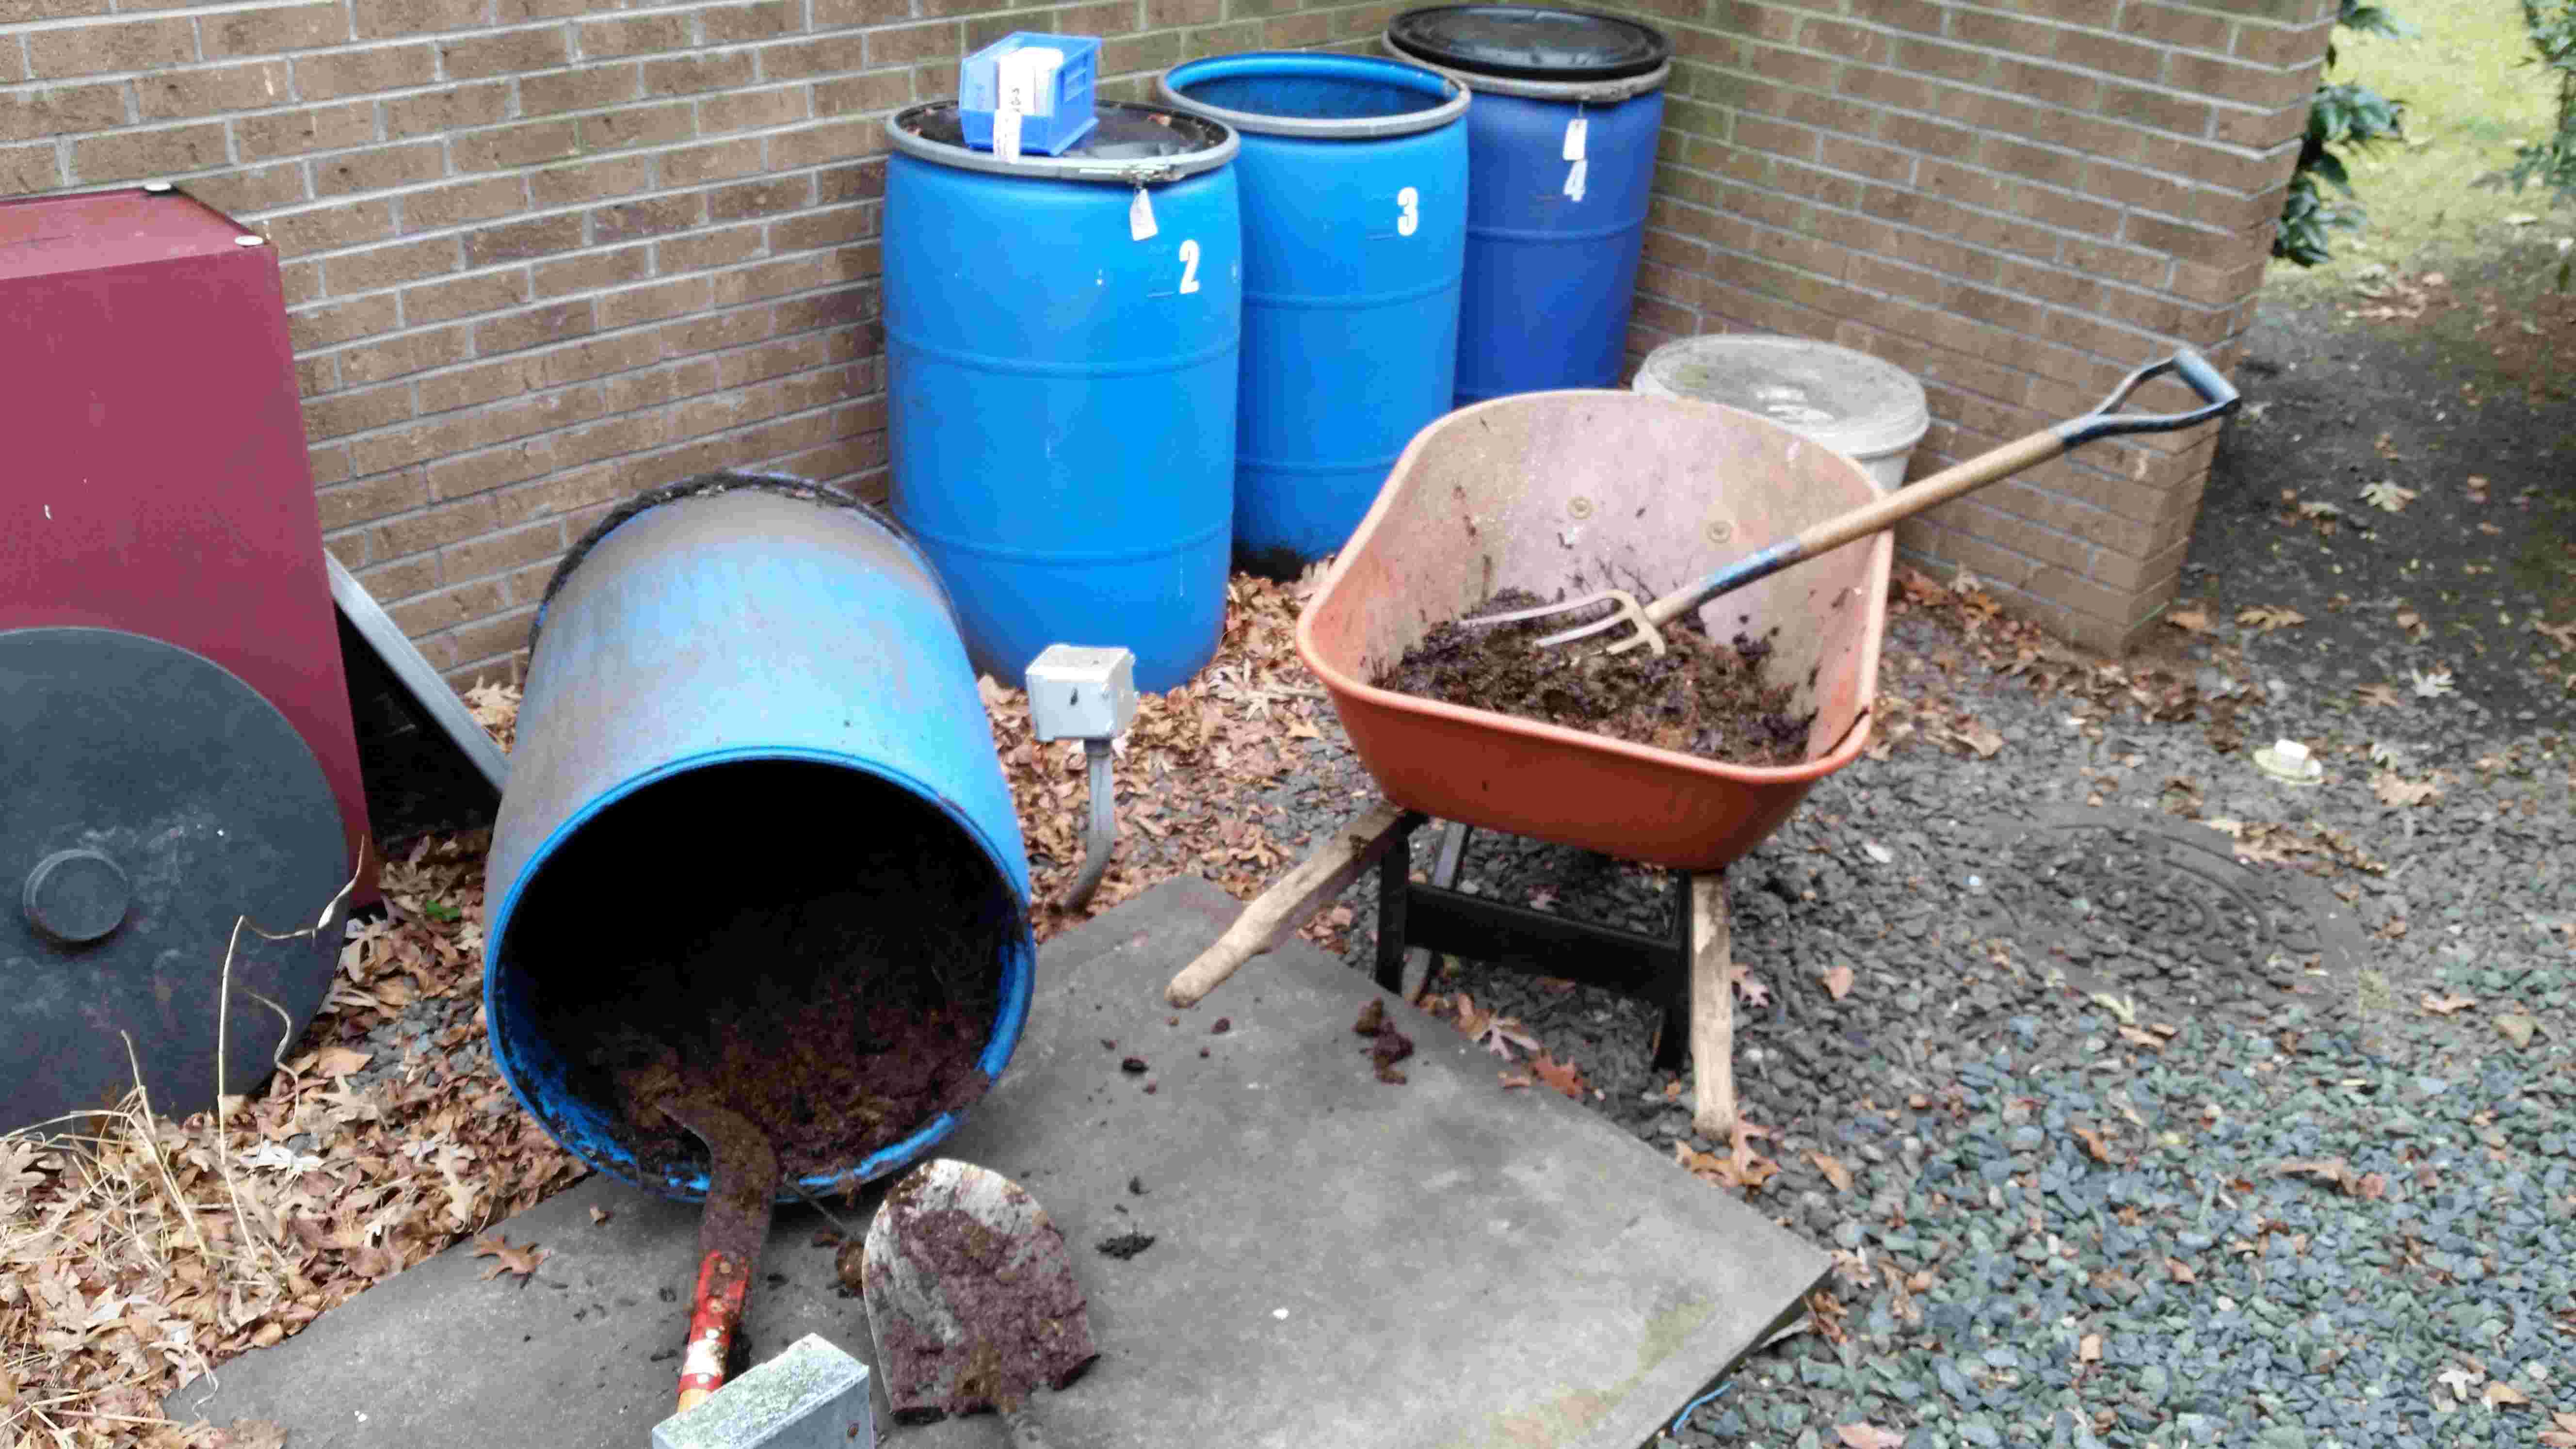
(1189, 267)
(1408, 211)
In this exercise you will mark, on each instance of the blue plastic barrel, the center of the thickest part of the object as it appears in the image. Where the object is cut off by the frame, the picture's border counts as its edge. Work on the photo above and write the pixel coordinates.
(1061, 339)
(1354, 236)
(1561, 140)
(754, 786)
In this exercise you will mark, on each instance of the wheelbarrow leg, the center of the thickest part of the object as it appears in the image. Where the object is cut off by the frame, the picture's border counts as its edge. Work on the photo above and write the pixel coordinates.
(1712, 1009)
(1337, 862)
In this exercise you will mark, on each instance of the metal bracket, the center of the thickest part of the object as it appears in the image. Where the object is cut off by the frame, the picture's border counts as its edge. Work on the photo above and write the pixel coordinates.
(1653, 969)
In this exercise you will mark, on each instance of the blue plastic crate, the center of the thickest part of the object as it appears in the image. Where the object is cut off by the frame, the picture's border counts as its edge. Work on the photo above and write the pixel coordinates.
(979, 93)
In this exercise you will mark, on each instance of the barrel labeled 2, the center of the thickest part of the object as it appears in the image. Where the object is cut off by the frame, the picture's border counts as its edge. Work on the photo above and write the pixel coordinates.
(1062, 336)
(1354, 175)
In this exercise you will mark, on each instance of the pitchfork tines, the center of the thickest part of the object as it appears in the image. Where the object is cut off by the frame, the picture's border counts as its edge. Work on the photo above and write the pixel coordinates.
(1624, 609)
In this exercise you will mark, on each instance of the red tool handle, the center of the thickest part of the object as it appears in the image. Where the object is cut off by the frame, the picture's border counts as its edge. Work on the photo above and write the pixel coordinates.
(714, 1313)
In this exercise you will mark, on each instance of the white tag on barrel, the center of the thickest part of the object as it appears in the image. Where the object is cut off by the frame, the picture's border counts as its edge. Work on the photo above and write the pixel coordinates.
(1140, 217)
(1574, 137)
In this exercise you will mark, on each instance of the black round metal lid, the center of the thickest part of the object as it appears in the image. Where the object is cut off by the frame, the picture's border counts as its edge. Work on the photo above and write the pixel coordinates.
(1527, 43)
(153, 799)
(1122, 135)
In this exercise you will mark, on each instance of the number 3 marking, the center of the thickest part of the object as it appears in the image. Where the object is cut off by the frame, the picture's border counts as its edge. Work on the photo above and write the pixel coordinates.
(1189, 267)
(1408, 213)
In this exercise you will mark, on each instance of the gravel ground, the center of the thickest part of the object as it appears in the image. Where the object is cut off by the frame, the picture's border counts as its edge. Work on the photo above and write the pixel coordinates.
(2054, 1234)
(2321, 1190)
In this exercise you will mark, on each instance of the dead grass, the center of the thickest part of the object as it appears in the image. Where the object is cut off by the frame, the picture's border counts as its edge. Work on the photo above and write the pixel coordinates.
(140, 1252)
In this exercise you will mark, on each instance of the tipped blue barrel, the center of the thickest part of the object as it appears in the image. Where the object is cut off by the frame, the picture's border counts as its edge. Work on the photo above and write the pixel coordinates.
(1561, 140)
(1354, 174)
(1061, 350)
(753, 775)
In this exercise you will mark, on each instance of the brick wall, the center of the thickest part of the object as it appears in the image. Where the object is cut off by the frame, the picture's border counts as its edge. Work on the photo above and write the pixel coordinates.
(2017, 200)
(541, 255)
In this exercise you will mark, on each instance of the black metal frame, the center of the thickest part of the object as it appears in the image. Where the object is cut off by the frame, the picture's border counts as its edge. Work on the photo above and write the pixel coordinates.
(1410, 913)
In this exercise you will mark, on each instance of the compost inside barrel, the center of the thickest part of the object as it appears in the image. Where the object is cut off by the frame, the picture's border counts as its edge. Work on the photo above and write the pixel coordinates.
(1699, 697)
(809, 945)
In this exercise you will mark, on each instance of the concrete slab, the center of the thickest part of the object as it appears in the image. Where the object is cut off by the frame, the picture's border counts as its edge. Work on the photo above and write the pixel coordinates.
(1337, 1261)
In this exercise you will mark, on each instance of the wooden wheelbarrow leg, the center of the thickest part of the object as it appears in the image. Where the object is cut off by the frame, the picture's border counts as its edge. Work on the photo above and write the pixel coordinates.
(1712, 1009)
(1298, 895)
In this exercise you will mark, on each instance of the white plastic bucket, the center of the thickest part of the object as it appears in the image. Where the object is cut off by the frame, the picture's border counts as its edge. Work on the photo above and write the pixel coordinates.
(1870, 411)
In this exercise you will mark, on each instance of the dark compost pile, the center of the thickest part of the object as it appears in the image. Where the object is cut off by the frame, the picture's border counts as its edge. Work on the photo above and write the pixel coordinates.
(814, 949)
(1700, 698)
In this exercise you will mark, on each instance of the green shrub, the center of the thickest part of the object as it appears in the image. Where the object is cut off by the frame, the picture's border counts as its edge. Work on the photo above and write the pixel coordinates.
(2551, 162)
(2346, 116)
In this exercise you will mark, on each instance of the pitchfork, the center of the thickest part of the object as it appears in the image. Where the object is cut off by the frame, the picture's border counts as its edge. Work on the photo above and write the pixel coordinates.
(2217, 396)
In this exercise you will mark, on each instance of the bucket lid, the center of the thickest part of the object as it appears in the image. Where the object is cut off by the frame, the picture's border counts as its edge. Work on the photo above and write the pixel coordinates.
(1849, 401)
(1316, 94)
(1528, 43)
(1129, 146)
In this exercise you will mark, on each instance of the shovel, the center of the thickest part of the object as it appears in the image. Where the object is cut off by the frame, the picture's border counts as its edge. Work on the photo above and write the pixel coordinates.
(971, 1297)
(740, 1184)
(2217, 396)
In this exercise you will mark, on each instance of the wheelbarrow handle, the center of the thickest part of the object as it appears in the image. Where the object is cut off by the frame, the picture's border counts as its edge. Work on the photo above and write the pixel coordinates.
(2217, 398)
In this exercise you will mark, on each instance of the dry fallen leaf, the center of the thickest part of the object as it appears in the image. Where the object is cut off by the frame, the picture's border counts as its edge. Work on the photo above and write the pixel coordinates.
(2445, 1005)
(2147, 1039)
(2194, 620)
(250, 1434)
(1566, 1077)
(2395, 789)
(2562, 635)
(2387, 496)
(2088, 1349)
(2180, 1271)
(1833, 1169)
(2562, 1433)
(1838, 982)
(1981, 737)
(1749, 986)
(2094, 1143)
(340, 1061)
(521, 1260)
(2500, 1393)
(2383, 696)
(599, 1214)
(1868, 1436)
(2432, 683)
(2268, 617)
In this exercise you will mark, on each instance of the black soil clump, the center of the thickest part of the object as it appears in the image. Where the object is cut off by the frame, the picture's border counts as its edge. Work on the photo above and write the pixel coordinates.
(835, 986)
(1125, 1245)
(1387, 1046)
(1699, 697)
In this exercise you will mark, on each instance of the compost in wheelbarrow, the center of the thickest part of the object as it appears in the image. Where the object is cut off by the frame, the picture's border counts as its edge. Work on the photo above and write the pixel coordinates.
(1702, 696)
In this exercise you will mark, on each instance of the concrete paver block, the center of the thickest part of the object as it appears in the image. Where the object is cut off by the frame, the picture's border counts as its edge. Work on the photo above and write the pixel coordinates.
(813, 1396)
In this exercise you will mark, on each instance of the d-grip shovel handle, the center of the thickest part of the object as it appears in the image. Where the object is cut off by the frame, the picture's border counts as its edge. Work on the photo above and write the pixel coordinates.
(2217, 398)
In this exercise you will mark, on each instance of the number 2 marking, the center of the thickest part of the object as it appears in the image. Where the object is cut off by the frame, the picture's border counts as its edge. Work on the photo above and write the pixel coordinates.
(1189, 267)
(1408, 211)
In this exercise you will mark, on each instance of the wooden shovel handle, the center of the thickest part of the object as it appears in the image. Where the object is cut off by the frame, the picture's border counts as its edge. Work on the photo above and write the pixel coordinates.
(1286, 906)
(2217, 398)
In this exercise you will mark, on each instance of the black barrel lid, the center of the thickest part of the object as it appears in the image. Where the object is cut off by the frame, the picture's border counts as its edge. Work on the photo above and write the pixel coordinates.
(1122, 135)
(1528, 43)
